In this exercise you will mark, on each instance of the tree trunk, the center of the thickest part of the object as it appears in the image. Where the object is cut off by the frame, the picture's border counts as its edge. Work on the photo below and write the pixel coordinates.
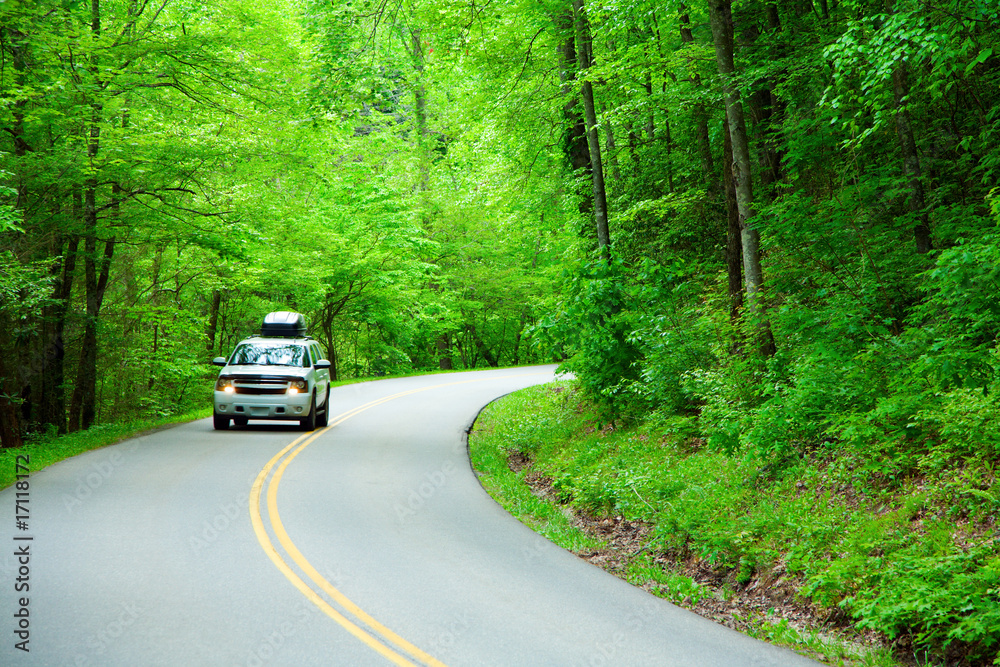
(52, 401)
(585, 60)
(16, 41)
(767, 112)
(443, 346)
(10, 423)
(720, 16)
(326, 324)
(83, 404)
(334, 359)
(83, 407)
(492, 360)
(722, 31)
(213, 320)
(911, 160)
(154, 301)
(733, 251)
(330, 311)
(668, 151)
(574, 139)
(420, 109)
(650, 117)
(616, 172)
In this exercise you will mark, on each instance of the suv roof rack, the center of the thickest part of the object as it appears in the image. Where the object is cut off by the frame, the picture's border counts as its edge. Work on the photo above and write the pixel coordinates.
(284, 324)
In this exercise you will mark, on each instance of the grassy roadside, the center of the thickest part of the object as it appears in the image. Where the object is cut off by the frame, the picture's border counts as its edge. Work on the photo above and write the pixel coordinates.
(813, 559)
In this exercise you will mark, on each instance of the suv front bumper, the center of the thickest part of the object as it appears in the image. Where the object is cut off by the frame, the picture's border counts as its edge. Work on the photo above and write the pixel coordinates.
(249, 406)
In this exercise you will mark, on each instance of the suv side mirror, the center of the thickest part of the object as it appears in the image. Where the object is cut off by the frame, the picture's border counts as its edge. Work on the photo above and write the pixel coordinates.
(219, 361)
(323, 363)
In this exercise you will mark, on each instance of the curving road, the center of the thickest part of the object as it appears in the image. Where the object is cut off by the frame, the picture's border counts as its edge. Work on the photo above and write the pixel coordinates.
(366, 543)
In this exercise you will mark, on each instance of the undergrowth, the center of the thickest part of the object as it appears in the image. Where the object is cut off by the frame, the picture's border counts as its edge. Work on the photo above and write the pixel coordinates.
(913, 558)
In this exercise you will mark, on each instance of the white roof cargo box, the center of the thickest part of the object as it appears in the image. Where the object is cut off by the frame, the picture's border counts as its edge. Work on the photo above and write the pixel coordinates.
(283, 324)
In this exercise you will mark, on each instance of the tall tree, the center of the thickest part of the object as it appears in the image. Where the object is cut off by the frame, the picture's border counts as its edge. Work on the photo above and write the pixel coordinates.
(721, 18)
(911, 158)
(766, 108)
(585, 61)
(83, 410)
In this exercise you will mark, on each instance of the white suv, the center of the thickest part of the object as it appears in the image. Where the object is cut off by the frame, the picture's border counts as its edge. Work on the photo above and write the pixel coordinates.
(281, 374)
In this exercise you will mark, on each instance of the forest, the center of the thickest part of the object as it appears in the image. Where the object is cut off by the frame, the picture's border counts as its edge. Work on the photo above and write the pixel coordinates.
(770, 227)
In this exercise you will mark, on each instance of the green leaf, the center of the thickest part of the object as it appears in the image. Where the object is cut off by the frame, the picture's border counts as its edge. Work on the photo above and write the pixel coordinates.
(983, 56)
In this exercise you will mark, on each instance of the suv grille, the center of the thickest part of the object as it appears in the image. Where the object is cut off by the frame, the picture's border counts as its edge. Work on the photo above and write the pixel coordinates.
(259, 390)
(260, 385)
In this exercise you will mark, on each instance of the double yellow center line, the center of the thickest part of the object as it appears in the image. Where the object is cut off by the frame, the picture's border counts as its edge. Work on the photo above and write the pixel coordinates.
(349, 615)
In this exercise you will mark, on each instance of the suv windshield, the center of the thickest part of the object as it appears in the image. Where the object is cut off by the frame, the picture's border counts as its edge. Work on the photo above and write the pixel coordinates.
(269, 354)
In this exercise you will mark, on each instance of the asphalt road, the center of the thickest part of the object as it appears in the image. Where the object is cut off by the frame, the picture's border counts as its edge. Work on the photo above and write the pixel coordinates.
(367, 543)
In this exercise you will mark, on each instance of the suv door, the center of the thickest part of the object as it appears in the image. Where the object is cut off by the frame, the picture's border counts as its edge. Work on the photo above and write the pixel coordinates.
(322, 374)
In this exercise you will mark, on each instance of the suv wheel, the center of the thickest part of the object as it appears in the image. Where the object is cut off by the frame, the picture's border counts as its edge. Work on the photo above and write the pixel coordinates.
(309, 423)
(324, 416)
(221, 422)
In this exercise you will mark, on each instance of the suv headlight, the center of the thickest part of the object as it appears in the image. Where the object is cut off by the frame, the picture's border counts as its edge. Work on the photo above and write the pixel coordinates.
(297, 386)
(225, 384)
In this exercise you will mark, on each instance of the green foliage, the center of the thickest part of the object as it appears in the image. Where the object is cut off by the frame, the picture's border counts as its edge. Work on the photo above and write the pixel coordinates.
(593, 331)
(8, 214)
(960, 319)
(894, 560)
(630, 335)
(23, 291)
(241, 169)
(940, 599)
(402, 178)
(674, 587)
